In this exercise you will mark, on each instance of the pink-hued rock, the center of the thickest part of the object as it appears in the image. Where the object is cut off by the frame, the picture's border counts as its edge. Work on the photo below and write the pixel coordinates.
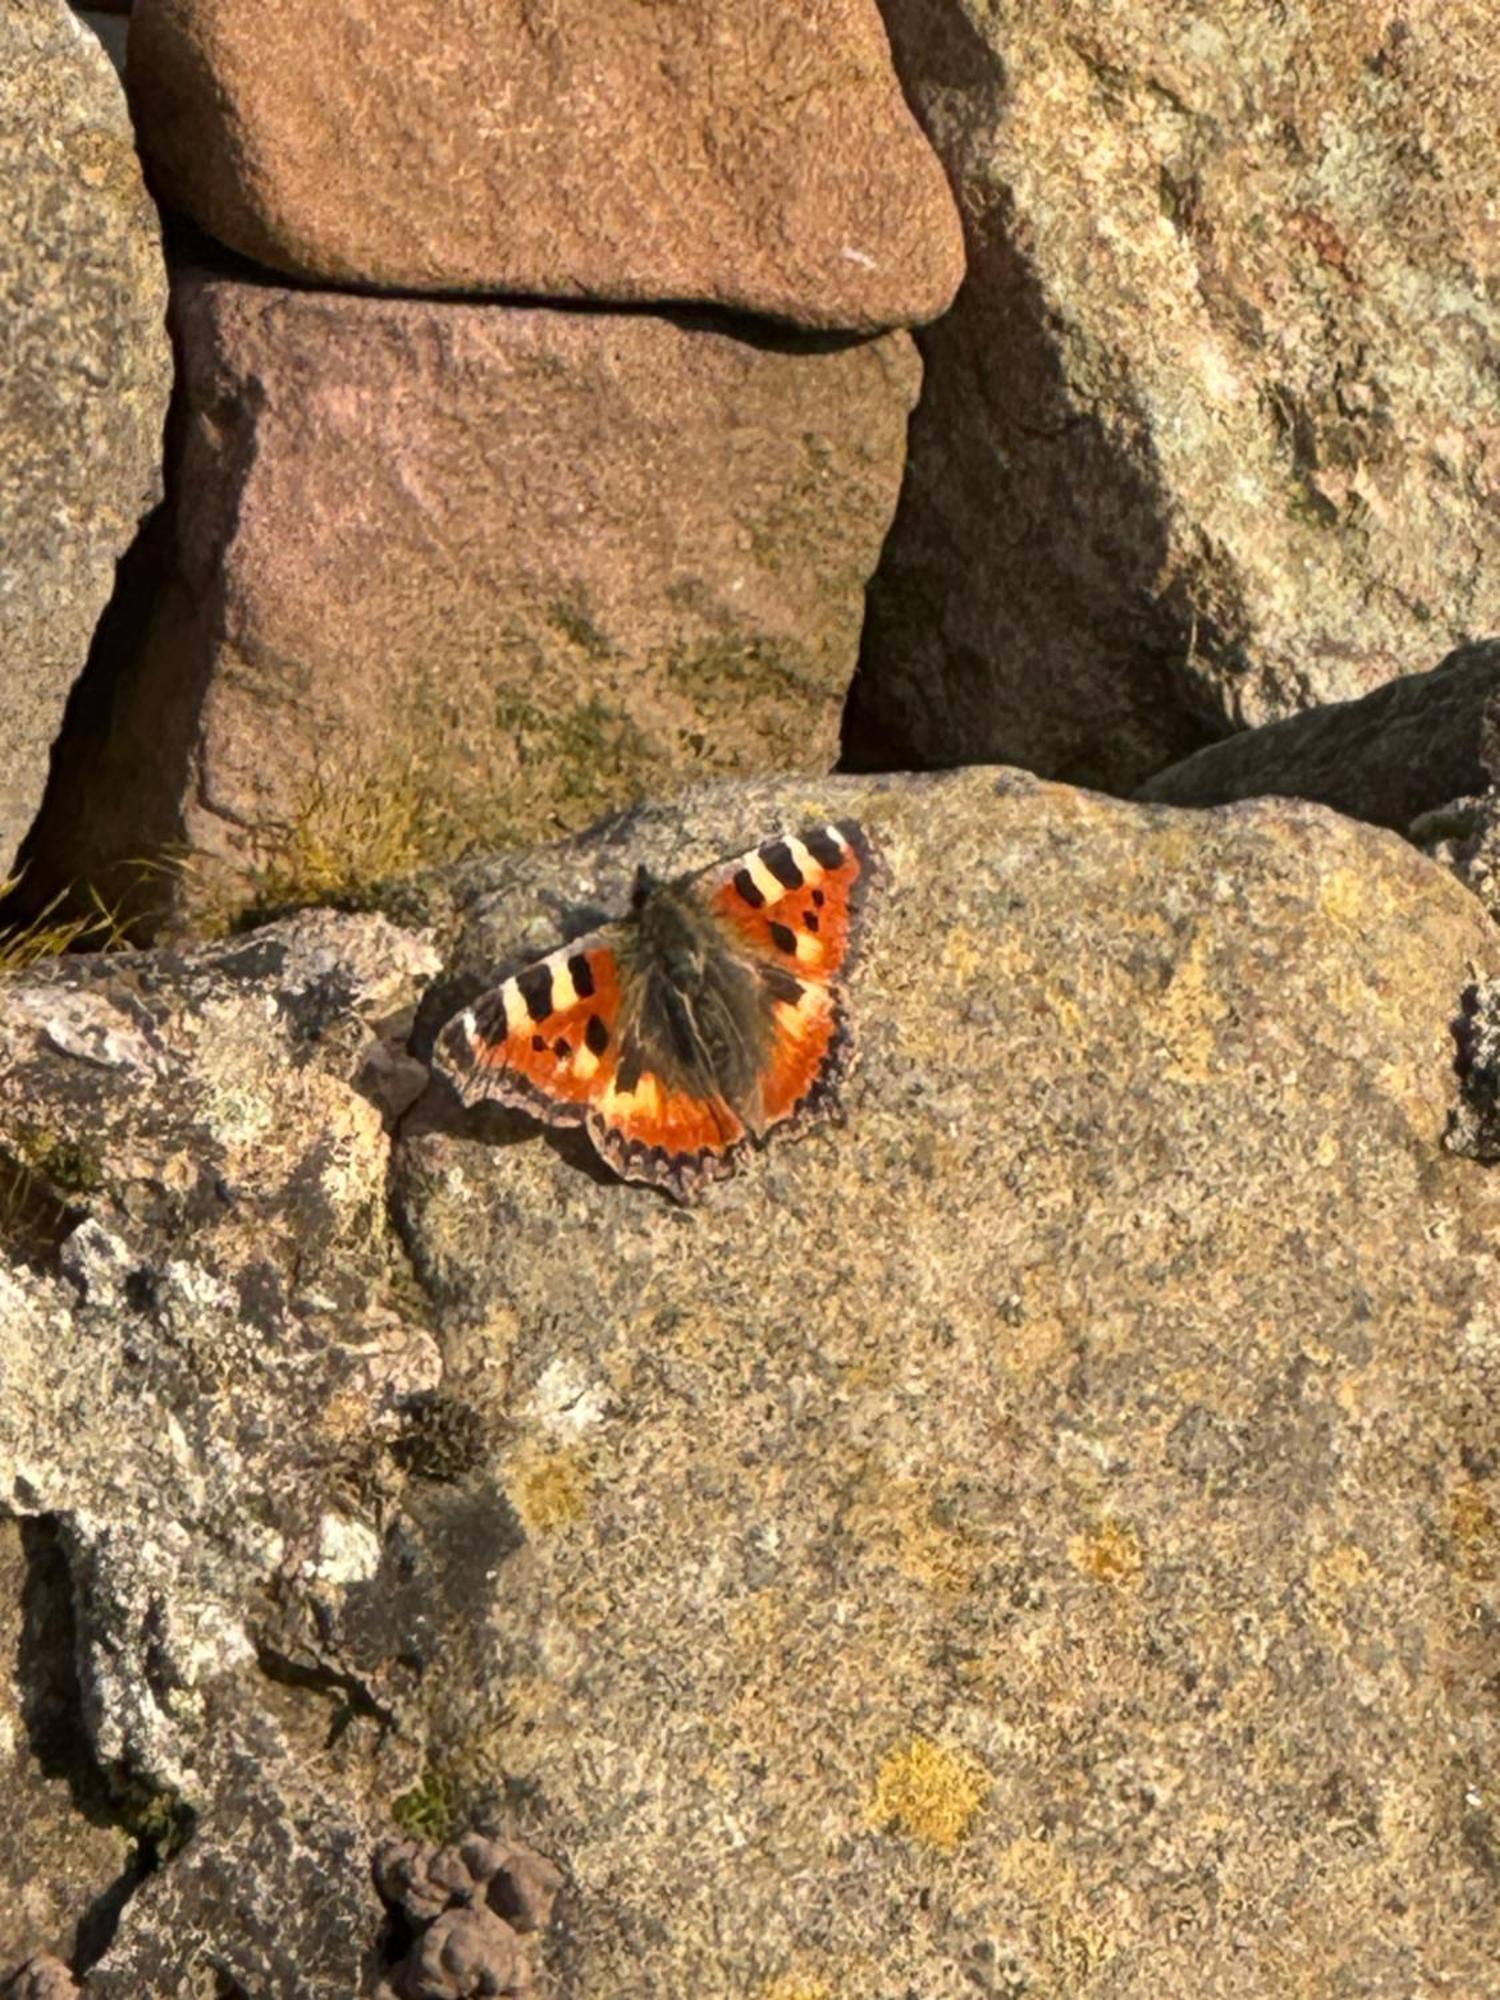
(1212, 434)
(448, 574)
(749, 153)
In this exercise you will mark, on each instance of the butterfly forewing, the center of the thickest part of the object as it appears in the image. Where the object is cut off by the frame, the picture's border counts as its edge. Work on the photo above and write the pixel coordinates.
(547, 1039)
(798, 900)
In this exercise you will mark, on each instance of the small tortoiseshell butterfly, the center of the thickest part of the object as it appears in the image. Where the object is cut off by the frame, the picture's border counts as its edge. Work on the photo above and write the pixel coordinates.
(712, 1013)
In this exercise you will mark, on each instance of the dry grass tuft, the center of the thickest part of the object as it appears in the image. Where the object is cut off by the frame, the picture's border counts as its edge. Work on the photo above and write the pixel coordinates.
(60, 927)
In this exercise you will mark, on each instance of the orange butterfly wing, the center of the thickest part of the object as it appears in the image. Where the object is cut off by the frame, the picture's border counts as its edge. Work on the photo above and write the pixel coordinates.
(797, 904)
(546, 1040)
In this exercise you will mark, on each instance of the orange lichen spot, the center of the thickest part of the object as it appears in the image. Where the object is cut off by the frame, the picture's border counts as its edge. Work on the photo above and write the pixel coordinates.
(549, 1489)
(928, 1792)
(1110, 1553)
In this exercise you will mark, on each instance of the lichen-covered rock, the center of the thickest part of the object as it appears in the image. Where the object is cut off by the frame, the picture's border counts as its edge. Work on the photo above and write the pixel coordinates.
(1034, 1535)
(447, 576)
(84, 386)
(42, 1978)
(740, 152)
(208, 1350)
(1031, 1537)
(61, 1854)
(1211, 433)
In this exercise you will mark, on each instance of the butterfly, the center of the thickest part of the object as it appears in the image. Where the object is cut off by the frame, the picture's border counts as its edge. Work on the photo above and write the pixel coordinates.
(685, 1032)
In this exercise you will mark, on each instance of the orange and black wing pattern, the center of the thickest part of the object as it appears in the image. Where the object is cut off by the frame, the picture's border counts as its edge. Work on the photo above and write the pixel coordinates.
(797, 903)
(546, 1040)
(562, 1039)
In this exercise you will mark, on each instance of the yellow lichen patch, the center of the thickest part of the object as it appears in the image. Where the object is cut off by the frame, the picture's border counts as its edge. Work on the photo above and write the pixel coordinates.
(1110, 1553)
(929, 1793)
(1474, 1531)
(962, 954)
(1336, 1579)
(790, 1986)
(905, 1522)
(1345, 896)
(1186, 1017)
(549, 1489)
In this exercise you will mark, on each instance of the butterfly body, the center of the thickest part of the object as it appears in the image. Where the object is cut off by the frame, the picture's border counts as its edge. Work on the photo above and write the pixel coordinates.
(709, 1015)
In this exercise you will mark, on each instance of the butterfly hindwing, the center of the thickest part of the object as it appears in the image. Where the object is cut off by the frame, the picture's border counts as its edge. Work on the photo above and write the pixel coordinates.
(797, 903)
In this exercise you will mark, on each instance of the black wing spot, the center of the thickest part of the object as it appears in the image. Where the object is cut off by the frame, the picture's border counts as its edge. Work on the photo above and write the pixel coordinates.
(783, 939)
(824, 849)
(779, 859)
(782, 986)
(539, 1042)
(596, 1036)
(581, 975)
(631, 1066)
(490, 1024)
(810, 921)
(562, 1048)
(535, 987)
(819, 898)
(744, 882)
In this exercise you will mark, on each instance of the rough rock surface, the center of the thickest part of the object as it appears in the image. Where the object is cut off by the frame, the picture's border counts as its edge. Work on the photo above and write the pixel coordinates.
(86, 375)
(447, 576)
(1033, 1539)
(1038, 1537)
(1213, 431)
(754, 156)
(473, 1906)
(1410, 748)
(206, 1354)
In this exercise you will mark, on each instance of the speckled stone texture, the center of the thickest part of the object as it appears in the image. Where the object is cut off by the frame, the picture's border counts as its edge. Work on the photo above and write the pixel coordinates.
(447, 576)
(1039, 1536)
(206, 1361)
(1411, 747)
(1213, 431)
(1036, 1538)
(738, 152)
(85, 378)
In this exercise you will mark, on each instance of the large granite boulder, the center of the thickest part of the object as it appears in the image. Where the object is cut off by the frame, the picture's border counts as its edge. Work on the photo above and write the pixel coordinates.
(1211, 433)
(1034, 1536)
(446, 576)
(758, 157)
(84, 384)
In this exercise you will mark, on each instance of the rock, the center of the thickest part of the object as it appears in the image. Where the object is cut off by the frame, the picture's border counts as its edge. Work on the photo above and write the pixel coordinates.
(206, 1362)
(758, 158)
(472, 1903)
(42, 1978)
(112, 26)
(1464, 835)
(1030, 1537)
(1409, 748)
(445, 576)
(83, 394)
(62, 1860)
(1474, 1129)
(1210, 435)
(1033, 1536)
